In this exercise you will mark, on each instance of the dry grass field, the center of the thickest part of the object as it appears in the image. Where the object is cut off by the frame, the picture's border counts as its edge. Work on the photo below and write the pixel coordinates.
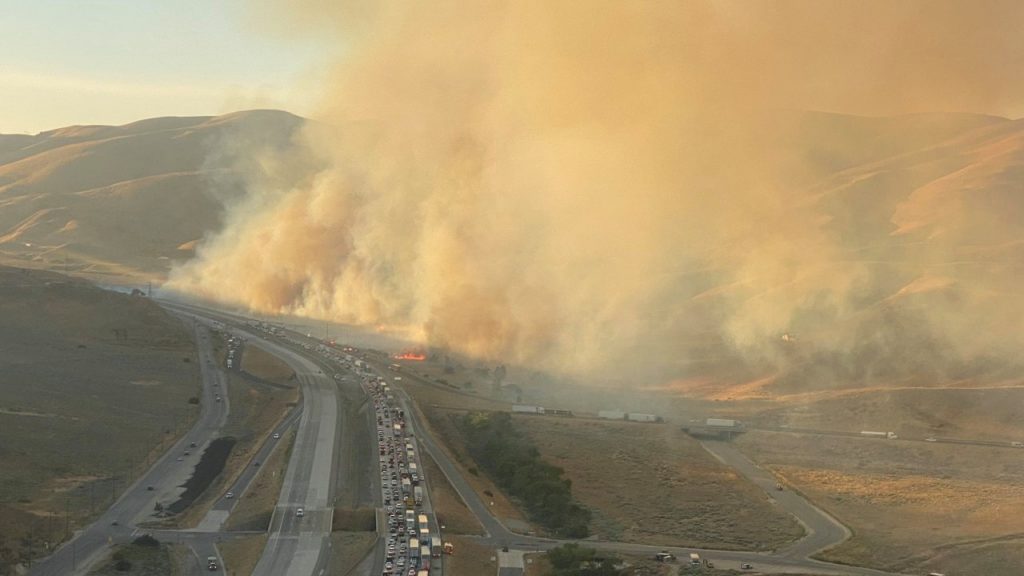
(651, 483)
(912, 506)
(470, 559)
(348, 549)
(93, 382)
(266, 366)
(452, 512)
(241, 555)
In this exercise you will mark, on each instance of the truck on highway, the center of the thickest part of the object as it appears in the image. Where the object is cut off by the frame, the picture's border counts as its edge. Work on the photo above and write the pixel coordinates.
(634, 417)
(418, 495)
(872, 434)
(527, 409)
(211, 563)
(694, 559)
(414, 547)
(722, 422)
(435, 547)
(406, 485)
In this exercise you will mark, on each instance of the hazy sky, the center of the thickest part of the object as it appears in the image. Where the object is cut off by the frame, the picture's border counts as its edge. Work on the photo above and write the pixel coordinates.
(116, 61)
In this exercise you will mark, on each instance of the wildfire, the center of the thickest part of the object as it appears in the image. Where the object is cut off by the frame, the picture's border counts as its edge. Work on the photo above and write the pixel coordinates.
(410, 356)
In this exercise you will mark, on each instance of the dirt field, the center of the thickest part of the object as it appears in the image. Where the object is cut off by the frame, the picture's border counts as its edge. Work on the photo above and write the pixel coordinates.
(470, 559)
(241, 555)
(452, 512)
(92, 383)
(348, 549)
(913, 506)
(651, 483)
(266, 366)
(256, 506)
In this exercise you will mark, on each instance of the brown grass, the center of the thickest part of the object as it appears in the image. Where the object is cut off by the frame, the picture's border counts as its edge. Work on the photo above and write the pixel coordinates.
(241, 555)
(652, 484)
(358, 520)
(266, 366)
(348, 549)
(452, 512)
(907, 503)
(536, 565)
(470, 559)
(81, 410)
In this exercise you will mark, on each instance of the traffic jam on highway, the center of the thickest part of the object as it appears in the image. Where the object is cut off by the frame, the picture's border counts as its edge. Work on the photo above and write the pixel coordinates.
(410, 545)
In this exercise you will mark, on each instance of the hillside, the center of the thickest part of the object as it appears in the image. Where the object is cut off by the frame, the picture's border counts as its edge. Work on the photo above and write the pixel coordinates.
(93, 382)
(126, 201)
(910, 276)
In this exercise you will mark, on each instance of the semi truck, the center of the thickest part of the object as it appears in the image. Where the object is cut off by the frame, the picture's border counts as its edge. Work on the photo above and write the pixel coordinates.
(872, 434)
(414, 547)
(722, 423)
(435, 547)
(694, 559)
(527, 409)
(418, 495)
(641, 417)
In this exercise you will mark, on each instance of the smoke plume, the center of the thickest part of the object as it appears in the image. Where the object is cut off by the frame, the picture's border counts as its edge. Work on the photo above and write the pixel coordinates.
(626, 188)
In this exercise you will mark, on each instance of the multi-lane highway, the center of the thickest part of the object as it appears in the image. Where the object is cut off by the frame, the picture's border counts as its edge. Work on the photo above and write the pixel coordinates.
(165, 477)
(301, 524)
(299, 542)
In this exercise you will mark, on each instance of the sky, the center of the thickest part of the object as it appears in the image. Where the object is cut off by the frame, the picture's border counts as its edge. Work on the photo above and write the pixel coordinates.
(117, 61)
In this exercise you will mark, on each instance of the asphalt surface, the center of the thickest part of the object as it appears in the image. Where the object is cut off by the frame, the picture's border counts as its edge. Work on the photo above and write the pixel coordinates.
(299, 545)
(115, 526)
(823, 531)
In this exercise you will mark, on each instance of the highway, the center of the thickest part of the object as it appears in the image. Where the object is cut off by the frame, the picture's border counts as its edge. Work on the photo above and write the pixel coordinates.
(136, 503)
(823, 530)
(299, 545)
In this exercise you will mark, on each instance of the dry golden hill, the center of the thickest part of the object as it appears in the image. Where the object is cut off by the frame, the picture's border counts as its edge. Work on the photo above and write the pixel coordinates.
(94, 384)
(126, 200)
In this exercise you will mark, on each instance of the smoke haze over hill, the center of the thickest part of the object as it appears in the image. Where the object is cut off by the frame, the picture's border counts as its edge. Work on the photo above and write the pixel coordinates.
(625, 189)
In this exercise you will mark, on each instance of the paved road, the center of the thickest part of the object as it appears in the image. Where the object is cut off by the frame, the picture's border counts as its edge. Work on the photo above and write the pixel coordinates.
(115, 525)
(791, 560)
(823, 531)
(221, 509)
(297, 545)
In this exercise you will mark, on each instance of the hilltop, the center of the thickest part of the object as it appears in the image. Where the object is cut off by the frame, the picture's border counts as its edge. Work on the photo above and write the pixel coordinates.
(126, 201)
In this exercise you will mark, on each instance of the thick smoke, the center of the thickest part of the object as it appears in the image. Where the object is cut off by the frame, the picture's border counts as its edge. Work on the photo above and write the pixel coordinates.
(618, 188)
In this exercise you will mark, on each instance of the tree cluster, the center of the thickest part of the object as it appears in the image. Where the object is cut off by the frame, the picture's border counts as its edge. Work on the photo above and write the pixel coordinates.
(515, 464)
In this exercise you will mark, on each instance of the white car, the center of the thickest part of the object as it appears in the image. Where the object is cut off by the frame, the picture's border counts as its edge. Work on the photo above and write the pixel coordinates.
(276, 435)
(300, 513)
(229, 495)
